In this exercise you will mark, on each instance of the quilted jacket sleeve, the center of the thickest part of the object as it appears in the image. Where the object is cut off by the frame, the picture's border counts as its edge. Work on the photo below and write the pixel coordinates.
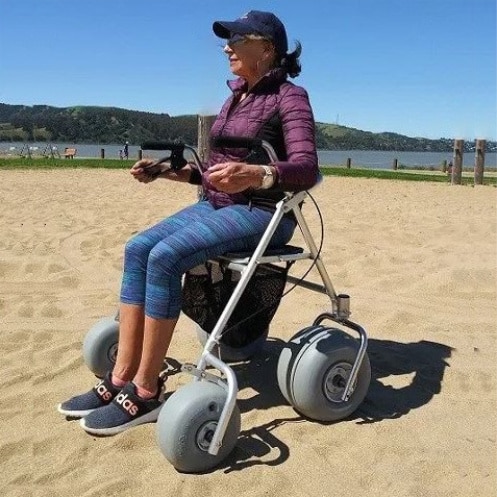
(300, 171)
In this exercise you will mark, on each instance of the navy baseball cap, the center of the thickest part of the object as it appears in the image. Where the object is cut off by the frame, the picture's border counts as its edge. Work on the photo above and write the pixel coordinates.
(255, 22)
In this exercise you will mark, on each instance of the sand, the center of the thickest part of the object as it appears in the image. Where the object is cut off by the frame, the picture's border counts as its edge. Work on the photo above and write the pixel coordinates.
(419, 261)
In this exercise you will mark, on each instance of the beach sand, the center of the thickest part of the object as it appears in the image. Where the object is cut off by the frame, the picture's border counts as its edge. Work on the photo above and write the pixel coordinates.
(419, 261)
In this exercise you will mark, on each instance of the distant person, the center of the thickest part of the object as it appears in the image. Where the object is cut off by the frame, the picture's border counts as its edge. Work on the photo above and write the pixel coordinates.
(126, 150)
(121, 154)
(240, 199)
(449, 168)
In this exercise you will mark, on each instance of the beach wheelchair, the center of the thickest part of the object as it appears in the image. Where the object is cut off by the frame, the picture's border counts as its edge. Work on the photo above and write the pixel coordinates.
(323, 371)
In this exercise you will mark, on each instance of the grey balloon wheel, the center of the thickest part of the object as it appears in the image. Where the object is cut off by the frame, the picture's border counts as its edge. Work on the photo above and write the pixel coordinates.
(232, 354)
(100, 346)
(187, 423)
(313, 369)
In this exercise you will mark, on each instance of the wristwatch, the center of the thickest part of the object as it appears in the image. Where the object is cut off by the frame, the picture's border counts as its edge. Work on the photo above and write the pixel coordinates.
(268, 178)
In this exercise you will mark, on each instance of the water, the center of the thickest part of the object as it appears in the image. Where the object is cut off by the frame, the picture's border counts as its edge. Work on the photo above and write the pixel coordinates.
(360, 158)
(379, 159)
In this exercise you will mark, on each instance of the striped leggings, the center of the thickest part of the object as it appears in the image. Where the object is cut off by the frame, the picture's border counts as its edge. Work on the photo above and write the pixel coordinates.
(156, 259)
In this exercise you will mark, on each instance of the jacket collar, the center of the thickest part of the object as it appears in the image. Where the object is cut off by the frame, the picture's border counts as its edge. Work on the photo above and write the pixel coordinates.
(277, 75)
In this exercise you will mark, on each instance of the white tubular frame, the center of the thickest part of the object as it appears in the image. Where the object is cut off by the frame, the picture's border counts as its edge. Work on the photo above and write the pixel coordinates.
(247, 266)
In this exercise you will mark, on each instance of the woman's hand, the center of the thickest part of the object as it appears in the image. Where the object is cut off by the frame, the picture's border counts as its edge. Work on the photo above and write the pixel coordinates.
(140, 172)
(235, 177)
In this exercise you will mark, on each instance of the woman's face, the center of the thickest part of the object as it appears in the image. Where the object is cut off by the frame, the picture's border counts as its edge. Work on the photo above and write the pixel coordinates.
(248, 58)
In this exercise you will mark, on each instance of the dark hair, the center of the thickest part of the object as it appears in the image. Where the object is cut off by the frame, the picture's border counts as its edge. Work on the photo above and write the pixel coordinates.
(290, 62)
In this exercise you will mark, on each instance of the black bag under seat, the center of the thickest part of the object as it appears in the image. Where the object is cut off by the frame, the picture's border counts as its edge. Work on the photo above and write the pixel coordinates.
(208, 287)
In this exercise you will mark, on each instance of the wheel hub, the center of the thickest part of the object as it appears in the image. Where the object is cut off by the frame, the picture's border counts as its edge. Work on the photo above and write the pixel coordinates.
(205, 434)
(335, 381)
(112, 353)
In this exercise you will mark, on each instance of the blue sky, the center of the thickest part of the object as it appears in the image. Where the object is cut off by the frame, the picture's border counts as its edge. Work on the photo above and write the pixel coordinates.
(416, 67)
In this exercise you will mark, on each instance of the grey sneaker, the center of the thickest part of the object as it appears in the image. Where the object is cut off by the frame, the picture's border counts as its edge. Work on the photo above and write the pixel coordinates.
(126, 410)
(82, 405)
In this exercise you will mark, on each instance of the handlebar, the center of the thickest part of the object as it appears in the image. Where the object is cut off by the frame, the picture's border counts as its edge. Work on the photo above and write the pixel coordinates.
(236, 142)
(163, 146)
(177, 160)
(244, 142)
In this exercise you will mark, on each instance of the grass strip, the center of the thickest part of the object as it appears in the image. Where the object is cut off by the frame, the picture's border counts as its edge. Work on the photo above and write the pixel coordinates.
(406, 175)
(403, 175)
(42, 163)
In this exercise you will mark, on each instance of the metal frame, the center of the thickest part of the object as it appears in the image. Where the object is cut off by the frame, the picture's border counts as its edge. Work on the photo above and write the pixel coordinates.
(340, 311)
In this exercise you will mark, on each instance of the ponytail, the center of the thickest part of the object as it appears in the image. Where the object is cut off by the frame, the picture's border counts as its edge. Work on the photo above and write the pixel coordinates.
(290, 62)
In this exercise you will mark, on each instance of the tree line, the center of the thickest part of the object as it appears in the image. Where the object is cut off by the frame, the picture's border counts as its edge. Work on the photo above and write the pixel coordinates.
(104, 125)
(87, 124)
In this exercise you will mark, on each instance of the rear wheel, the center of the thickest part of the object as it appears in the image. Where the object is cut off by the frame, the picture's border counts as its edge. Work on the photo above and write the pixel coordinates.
(234, 354)
(100, 346)
(313, 370)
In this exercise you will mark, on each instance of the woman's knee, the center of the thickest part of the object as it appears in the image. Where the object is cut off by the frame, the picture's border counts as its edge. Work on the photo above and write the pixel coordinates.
(137, 250)
(162, 259)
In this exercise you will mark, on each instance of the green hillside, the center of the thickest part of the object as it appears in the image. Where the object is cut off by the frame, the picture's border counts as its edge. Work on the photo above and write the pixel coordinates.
(335, 137)
(87, 124)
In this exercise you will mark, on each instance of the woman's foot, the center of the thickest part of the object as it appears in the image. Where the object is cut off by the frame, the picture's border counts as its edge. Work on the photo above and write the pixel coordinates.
(126, 410)
(99, 396)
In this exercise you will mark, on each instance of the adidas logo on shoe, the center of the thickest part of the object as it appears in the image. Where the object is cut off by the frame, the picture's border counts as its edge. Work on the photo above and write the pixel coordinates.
(82, 405)
(103, 392)
(128, 405)
(125, 411)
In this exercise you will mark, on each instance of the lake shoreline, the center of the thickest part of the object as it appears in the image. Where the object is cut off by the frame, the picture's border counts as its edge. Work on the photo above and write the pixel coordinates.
(373, 159)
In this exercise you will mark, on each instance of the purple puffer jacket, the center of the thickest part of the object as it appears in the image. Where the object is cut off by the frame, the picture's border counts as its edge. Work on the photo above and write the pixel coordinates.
(277, 111)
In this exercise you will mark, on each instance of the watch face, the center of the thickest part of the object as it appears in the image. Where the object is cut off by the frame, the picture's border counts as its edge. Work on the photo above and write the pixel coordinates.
(267, 180)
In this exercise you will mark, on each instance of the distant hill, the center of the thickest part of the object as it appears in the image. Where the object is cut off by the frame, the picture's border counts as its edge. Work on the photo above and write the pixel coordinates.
(335, 137)
(88, 124)
(85, 124)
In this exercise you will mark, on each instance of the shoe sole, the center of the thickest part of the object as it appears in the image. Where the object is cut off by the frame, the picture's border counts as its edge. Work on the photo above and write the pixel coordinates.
(114, 430)
(74, 414)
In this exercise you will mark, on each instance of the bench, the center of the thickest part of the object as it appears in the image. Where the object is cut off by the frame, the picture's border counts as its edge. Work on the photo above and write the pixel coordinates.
(69, 153)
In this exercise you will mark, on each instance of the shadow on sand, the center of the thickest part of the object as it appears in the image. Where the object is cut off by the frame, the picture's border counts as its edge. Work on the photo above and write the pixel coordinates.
(421, 363)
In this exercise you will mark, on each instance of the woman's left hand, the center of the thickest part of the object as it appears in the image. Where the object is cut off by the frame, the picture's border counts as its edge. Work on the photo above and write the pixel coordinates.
(235, 177)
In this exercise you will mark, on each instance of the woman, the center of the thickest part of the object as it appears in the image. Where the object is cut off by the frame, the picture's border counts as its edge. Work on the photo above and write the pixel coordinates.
(239, 201)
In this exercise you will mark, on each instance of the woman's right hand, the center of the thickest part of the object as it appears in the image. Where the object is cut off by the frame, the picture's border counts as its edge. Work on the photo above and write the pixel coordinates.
(140, 173)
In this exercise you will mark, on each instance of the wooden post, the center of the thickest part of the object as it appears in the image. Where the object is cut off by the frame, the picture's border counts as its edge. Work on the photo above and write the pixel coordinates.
(396, 164)
(349, 163)
(457, 162)
(140, 154)
(102, 153)
(203, 145)
(444, 166)
(204, 128)
(479, 161)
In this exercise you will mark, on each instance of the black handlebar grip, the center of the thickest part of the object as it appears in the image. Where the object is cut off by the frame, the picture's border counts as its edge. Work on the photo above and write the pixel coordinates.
(236, 142)
(178, 147)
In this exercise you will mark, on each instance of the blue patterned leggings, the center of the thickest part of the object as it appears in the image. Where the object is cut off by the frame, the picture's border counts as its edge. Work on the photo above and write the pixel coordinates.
(156, 259)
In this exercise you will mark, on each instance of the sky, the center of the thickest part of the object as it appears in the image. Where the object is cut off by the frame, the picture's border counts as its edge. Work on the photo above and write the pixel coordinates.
(423, 68)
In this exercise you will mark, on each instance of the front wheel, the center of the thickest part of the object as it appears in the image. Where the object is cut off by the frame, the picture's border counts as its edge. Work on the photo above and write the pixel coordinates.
(313, 369)
(187, 423)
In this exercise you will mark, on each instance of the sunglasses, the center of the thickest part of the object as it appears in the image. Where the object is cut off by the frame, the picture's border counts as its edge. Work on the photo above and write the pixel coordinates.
(236, 39)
